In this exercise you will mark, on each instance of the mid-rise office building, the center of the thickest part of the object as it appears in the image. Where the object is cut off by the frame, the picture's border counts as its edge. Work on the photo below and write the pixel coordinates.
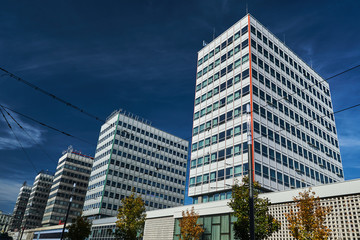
(37, 201)
(20, 206)
(70, 182)
(293, 132)
(132, 155)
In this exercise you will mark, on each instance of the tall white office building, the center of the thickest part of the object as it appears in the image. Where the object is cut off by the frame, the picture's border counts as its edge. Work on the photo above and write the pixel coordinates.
(294, 139)
(133, 155)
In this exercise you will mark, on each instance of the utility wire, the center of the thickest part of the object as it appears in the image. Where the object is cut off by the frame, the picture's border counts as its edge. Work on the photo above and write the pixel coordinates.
(27, 156)
(52, 95)
(47, 126)
(311, 85)
(34, 141)
(305, 120)
(103, 121)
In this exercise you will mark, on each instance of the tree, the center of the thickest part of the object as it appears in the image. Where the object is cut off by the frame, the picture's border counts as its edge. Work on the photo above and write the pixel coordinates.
(79, 229)
(131, 218)
(265, 224)
(189, 228)
(308, 221)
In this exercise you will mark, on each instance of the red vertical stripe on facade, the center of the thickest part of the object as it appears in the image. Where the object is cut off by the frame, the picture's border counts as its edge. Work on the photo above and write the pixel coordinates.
(251, 101)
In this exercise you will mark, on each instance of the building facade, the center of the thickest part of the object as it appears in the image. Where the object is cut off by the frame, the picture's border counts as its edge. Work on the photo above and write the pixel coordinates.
(20, 206)
(4, 221)
(70, 182)
(133, 155)
(37, 201)
(217, 219)
(291, 121)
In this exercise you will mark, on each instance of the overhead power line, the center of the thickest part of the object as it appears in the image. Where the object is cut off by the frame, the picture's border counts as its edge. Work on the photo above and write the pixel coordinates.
(52, 95)
(103, 121)
(21, 146)
(34, 141)
(311, 85)
(47, 126)
(311, 120)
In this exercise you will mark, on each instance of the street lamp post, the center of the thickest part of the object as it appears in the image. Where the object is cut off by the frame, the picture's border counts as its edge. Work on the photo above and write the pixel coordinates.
(67, 212)
(251, 183)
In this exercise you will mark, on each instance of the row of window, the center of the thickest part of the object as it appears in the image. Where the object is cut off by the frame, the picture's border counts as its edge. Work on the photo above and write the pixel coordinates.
(299, 119)
(315, 144)
(295, 116)
(142, 160)
(286, 83)
(274, 155)
(217, 121)
(82, 163)
(145, 142)
(223, 45)
(152, 135)
(146, 171)
(213, 197)
(222, 102)
(142, 141)
(220, 155)
(114, 207)
(224, 57)
(107, 128)
(144, 192)
(213, 78)
(282, 178)
(227, 84)
(289, 60)
(73, 175)
(220, 137)
(288, 96)
(219, 175)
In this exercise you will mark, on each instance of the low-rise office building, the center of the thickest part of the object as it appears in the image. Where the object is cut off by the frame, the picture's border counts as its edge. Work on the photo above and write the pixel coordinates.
(217, 219)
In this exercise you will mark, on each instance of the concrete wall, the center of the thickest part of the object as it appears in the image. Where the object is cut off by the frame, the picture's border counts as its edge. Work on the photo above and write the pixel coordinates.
(159, 228)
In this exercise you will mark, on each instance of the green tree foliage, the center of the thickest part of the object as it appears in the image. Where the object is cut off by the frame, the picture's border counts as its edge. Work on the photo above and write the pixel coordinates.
(265, 224)
(131, 218)
(79, 229)
(308, 222)
(189, 228)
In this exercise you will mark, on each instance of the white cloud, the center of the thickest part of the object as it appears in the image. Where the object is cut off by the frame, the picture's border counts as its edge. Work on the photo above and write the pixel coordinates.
(9, 190)
(28, 138)
(349, 141)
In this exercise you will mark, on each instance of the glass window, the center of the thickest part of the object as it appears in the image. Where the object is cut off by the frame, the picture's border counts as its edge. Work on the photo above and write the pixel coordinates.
(237, 170)
(213, 177)
(192, 182)
(258, 168)
(206, 178)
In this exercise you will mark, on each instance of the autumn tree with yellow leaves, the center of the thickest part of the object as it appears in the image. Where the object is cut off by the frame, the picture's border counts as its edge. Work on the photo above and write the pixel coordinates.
(189, 228)
(131, 218)
(308, 222)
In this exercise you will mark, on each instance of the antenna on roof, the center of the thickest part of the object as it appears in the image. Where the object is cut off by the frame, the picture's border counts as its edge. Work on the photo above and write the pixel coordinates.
(213, 33)
(204, 43)
(284, 38)
(247, 10)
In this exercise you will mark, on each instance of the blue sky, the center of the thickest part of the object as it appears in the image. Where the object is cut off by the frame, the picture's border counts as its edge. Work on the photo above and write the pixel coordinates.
(141, 56)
